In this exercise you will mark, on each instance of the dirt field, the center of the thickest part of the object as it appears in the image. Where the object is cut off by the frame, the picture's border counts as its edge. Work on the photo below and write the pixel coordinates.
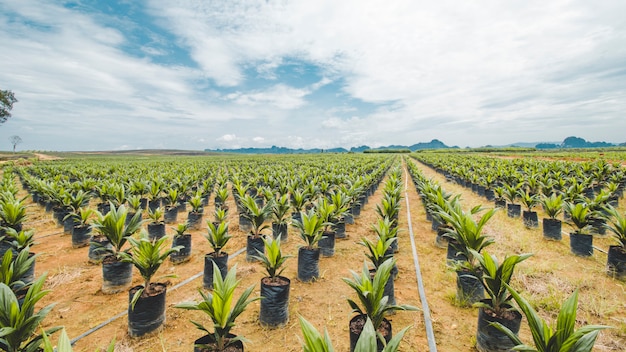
(545, 279)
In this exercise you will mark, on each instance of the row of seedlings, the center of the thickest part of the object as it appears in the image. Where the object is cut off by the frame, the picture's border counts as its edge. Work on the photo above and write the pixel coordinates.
(480, 273)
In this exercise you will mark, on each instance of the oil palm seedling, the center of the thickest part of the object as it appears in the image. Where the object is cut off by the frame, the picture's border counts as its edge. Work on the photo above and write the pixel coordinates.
(258, 216)
(342, 207)
(497, 307)
(155, 189)
(12, 212)
(116, 274)
(389, 207)
(616, 261)
(134, 204)
(298, 201)
(371, 302)
(219, 308)
(529, 216)
(597, 206)
(171, 209)
(81, 232)
(379, 252)
(220, 215)
(16, 269)
(146, 308)
(156, 226)
(546, 338)
(313, 341)
(500, 200)
(280, 217)
(511, 193)
(275, 288)
(581, 240)
(325, 211)
(552, 206)
(19, 240)
(19, 322)
(194, 217)
(218, 237)
(221, 195)
(310, 228)
(181, 239)
(467, 233)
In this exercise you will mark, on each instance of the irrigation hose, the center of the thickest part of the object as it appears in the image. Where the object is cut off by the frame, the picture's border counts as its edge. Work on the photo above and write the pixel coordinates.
(430, 334)
(119, 315)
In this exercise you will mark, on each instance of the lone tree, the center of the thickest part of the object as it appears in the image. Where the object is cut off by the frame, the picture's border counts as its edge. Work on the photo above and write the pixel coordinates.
(15, 140)
(7, 99)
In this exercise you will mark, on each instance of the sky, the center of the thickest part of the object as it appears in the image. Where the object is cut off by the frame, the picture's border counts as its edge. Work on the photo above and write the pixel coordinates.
(194, 74)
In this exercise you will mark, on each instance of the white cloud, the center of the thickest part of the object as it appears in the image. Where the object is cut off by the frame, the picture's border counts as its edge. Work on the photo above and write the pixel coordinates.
(258, 139)
(280, 96)
(467, 73)
(227, 138)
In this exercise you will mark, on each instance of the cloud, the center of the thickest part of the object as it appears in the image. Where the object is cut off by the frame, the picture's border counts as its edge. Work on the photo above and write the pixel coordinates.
(258, 139)
(280, 96)
(227, 138)
(366, 72)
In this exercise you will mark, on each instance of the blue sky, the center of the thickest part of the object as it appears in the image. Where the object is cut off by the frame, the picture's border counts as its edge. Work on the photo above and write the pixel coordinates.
(193, 74)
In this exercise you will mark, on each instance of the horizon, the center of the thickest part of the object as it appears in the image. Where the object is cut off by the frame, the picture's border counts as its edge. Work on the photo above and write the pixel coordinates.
(195, 75)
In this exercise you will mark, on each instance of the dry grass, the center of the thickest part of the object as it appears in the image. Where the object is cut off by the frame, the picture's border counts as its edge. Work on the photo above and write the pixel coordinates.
(63, 277)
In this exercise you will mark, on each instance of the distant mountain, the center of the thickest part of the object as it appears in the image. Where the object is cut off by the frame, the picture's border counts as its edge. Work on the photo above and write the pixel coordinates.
(434, 144)
(575, 142)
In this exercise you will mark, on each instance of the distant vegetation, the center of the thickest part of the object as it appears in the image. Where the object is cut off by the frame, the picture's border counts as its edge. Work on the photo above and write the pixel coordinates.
(576, 142)
(434, 144)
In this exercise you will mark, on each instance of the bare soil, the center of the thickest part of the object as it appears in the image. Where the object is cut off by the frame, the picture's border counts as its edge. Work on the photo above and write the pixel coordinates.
(546, 279)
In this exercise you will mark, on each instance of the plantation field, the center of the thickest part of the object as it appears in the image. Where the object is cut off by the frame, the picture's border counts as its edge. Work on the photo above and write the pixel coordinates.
(546, 279)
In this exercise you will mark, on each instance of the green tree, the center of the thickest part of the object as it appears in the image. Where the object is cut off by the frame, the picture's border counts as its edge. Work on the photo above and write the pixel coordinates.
(7, 99)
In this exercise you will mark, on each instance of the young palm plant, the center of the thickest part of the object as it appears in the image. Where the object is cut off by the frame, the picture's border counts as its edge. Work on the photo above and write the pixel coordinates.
(181, 239)
(218, 306)
(274, 287)
(156, 227)
(379, 252)
(218, 237)
(511, 193)
(146, 310)
(373, 303)
(19, 321)
(313, 341)
(616, 260)
(81, 232)
(497, 307)
(581, 241)
(15, 268)
(467, 233)
(552, 206)
(12, 212)
(194, 216)
(341, 202)
(547, 339)
(280, 216)
(258, 216)
(325, 211)
(310, 230)
(529, 216)
(116, 274)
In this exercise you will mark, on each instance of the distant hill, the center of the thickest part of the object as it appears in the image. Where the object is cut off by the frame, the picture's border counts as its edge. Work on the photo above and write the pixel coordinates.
(575, 142)
(434, 144)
